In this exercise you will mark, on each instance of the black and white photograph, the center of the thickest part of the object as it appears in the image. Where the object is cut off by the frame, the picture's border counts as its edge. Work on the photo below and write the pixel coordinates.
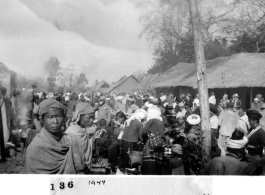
(132, 88)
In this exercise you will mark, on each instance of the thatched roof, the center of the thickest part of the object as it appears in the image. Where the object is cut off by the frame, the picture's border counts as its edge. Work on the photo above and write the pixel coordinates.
(99, 87)
(146, 83)
(239, 70)
(118, 83)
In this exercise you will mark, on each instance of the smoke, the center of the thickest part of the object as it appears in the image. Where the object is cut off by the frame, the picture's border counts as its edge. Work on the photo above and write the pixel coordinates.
(24, 106)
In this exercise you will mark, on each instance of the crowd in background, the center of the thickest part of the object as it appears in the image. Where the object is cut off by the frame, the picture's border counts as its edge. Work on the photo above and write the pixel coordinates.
(66, 133)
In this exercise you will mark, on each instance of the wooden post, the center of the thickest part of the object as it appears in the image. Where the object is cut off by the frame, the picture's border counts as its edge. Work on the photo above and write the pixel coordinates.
(201, 78)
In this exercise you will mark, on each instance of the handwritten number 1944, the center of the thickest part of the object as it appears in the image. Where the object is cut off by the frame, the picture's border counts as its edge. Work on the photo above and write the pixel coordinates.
(62, 185)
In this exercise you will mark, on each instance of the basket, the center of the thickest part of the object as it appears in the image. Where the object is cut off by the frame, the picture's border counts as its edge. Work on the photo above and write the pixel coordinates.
(136, 157)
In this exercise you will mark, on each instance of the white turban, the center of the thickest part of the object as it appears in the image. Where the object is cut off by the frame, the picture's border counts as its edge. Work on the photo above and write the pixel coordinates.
(180, 114)
(154, 113)
(119, 97)
(181, 104)
(194, 119)
(138, 115)
(238, 144)
(151, 98)
(163, 98)
(148, 105)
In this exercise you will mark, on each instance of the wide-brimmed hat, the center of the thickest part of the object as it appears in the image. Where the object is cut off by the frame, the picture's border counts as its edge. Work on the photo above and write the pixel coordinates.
(194, 119)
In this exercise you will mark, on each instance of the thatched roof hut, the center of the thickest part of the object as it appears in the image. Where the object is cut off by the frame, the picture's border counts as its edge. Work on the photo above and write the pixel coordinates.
(124, 85)
(238, 70)
(100, 87)
(146, 84)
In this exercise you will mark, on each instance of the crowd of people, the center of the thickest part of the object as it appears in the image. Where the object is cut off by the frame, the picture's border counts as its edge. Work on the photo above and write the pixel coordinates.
(67, 133)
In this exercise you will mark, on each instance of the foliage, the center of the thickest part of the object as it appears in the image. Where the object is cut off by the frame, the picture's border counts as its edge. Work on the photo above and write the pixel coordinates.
(52, 67)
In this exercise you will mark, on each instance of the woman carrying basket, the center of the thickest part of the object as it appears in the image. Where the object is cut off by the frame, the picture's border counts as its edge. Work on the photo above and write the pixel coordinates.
(153, 158)
(132, 135)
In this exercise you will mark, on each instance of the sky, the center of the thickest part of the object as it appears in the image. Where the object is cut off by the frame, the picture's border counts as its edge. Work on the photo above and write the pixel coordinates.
(95, 37)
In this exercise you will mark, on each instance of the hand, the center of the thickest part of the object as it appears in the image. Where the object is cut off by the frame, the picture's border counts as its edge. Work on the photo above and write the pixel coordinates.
(97, 134)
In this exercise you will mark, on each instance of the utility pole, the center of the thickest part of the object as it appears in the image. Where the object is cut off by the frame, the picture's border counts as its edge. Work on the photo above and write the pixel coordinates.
(201, 78)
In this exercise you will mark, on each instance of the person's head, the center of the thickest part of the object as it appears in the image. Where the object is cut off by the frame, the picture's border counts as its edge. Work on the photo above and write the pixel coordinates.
(120, 117)
(52, 115)
(212, 93)
(102, 100)
(102, 123)
(181, 106)
(120, 98)
(3, 90)
(236, 96)
(107, 100)
(236, 144)
(225, 96)
(229, 105)
(197, 96)
(256, 101)
(181, 120)
(253, 118)
(83, 114)
(188, 105)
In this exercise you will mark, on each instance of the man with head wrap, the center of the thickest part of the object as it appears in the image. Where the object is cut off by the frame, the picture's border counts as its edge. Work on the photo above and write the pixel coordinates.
(82, 119)
(232, 163)
(256, 137)
(104, 110)
(52, 151)
(132, 135)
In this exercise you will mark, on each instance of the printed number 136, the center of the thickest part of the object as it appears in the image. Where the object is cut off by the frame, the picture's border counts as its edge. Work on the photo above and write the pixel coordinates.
(62, 186)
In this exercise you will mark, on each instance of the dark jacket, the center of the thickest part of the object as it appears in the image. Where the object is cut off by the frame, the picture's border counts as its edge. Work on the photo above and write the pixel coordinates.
(133, 132)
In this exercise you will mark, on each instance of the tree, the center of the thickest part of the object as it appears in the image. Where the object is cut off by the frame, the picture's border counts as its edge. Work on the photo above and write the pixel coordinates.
(81, 82)
(166, 25)
(201, 78)
(52, 67)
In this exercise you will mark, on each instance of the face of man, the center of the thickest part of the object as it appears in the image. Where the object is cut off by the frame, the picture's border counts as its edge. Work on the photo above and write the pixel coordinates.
(180, 120)
(86, 120)
(253, 123)
(53, 120)
(187, 107)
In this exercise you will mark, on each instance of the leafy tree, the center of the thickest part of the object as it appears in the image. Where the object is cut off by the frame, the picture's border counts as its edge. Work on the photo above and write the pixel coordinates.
(52, 67)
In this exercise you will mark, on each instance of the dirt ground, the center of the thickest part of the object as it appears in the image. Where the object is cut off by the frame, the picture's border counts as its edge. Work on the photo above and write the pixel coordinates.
(14, 165)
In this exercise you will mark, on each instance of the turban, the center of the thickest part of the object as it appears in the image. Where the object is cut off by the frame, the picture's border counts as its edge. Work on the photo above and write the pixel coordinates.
(176, 148)
(253, 114)
(49, 103)
(163, 98)
(154, 113)
(81, 108)
(256, 99)
(138, 115)
(180, 114)
(119, 97)
(102, 98)
(155, 101)
(237, 144)
(181, 104)
(148, 105)
(194, 119)
(151, 98)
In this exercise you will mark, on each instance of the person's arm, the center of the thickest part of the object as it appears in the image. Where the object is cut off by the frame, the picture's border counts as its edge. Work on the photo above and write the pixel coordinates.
(109, 114)
(140, 132)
